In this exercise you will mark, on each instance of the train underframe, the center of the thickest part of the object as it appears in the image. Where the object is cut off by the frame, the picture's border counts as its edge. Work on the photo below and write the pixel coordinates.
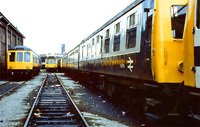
(150, 101)
(23, 73)
(51, 69)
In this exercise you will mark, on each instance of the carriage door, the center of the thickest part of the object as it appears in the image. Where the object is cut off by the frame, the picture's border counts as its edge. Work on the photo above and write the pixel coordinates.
(197, 42)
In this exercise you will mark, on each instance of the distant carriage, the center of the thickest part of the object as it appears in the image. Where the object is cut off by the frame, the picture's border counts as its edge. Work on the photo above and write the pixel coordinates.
(51, 64)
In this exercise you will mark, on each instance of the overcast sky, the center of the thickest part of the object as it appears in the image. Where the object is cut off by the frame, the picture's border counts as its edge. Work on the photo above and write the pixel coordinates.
(48, 23)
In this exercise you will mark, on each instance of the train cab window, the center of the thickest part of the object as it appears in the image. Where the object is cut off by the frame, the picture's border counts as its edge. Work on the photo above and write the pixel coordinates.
(19, 56)
(12, 57)
(117, 37)
(178, 13)
(27, 57)
(47, 61)
(54, 61)
(131, 32)
(107, 41)
(51, 61)
(198, 14)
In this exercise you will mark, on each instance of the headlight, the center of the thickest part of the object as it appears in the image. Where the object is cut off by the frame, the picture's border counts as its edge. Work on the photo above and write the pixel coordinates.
(180, 67)
(11, 67)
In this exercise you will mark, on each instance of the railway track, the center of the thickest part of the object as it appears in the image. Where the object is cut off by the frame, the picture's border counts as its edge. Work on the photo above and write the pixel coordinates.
(54, 107)
(8, 87)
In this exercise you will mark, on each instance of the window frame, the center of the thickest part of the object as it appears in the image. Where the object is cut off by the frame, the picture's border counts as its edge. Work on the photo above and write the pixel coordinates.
(10, 54)
(107, 39)
(130, 28)
(20, 56)
(175, 31)
(25, 60)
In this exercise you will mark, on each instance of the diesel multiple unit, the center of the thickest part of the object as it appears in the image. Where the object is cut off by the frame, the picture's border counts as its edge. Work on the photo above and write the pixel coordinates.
(22, 60)
(138, 55)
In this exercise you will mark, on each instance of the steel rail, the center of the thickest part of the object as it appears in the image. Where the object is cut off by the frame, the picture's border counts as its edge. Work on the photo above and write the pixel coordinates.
(5, 83)
(50, 114)
(11, 88)
(78, 111)
(33, 106)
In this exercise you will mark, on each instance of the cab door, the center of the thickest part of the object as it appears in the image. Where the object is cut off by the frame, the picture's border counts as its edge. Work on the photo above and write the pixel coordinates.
(197, 42)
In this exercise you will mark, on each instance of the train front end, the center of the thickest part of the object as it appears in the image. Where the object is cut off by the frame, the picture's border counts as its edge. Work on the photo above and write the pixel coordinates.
(51, 64)
(19, 61)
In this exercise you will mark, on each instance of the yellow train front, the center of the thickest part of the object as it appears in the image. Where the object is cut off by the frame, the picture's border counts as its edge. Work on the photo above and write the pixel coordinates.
(51, 64)
(22, 60)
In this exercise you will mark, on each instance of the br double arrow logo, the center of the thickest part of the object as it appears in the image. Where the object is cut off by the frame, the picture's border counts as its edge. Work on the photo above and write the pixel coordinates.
(130, 62)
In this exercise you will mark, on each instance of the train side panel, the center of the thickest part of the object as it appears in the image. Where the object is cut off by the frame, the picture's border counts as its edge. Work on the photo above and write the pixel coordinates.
(167, 45)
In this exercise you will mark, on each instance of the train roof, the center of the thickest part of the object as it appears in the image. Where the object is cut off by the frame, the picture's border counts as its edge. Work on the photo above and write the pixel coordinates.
(20, 48)
(124, 11)
(128, 8)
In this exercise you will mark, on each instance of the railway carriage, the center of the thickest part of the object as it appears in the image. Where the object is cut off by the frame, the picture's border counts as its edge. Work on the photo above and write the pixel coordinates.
(22, 61)
(137, 56)
(51, 64)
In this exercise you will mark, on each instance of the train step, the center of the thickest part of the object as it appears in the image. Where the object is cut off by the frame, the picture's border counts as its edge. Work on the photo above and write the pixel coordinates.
(197, 117)
(152, 102)
(194, 94)
(152, 117)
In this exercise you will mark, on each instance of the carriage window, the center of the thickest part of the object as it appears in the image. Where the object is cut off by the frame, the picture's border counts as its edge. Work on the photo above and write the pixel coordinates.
(12, 56)
(83, 51)
(131, 20)
(117, 37)
(27, 57)
(19, 56)
(107, 41)
(198, 14)
(131, 31)
(131, 37)
(97, 39)
(117, 28)
(178, 13)
(88, 46)
(117, 42)
(92, 41)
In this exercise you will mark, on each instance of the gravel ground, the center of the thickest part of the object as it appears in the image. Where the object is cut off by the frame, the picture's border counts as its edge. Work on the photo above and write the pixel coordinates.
(98, 111)
(15, 106)
(95, 108)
